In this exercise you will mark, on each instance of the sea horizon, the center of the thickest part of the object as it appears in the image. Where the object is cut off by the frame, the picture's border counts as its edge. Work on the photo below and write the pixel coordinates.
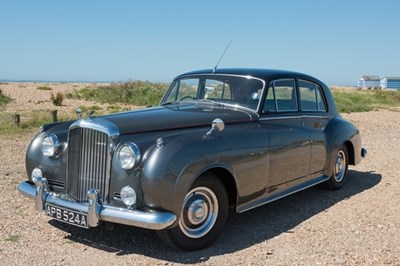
(96, 81)
(54, 81)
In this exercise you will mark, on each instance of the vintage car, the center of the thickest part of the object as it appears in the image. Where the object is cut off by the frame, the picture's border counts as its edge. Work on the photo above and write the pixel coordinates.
(220, 140)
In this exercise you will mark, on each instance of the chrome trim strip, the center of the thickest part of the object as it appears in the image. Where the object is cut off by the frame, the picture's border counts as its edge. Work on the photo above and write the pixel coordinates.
(98, 124)
(242, 109)
(95, 210)
(296, 117)
(282, 194)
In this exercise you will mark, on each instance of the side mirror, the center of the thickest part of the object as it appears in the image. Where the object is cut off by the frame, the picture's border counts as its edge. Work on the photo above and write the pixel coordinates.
(216, 125)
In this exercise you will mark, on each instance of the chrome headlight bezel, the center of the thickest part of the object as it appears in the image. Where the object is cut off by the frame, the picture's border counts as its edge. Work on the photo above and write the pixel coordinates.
(51, 146)
(129, 156)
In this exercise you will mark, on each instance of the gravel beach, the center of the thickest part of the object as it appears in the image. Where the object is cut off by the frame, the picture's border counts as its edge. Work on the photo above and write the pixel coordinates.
(357, 225)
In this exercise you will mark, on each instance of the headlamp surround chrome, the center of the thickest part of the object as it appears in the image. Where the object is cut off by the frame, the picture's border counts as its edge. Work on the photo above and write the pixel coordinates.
(51, 146)
(129, 156)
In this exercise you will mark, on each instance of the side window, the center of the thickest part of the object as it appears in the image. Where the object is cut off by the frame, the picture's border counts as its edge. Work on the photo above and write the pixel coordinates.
(310, 96)
(269, 104)
(281, 96)
(215, 89)
(320, 99)
(184, 90)
(285, 95)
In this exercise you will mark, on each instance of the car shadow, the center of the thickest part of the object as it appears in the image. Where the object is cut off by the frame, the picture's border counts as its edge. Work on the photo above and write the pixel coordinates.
(241, 231)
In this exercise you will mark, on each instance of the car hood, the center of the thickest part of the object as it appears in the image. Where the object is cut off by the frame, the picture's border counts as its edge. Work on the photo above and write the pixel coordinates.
(176, 116)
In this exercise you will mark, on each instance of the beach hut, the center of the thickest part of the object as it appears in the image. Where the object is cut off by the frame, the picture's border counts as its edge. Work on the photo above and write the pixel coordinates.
(390, 83)
(368, 81)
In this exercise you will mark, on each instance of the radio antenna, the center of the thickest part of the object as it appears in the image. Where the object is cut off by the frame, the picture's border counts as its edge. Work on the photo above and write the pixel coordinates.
(215, 68)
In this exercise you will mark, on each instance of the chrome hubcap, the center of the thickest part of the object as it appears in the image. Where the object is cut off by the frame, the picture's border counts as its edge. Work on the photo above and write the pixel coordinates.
(199, 212)
(340, 166)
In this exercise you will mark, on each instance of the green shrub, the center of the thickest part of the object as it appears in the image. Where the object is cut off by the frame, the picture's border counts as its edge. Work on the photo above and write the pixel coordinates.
(348, 101)
(44, 88)
(57, 99)
(29, 120)
(4, 99)
(132, 92)
(13, 238)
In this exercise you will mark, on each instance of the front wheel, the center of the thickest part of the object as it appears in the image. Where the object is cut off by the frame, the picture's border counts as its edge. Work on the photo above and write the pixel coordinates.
(339, 170)
(203, 216)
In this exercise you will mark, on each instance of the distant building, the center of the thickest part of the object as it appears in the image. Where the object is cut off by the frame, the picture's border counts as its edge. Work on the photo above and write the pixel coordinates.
(368, 82)
(390, 83)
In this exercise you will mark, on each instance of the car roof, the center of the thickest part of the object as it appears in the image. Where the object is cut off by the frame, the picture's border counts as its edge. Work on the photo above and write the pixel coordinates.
(264, 74)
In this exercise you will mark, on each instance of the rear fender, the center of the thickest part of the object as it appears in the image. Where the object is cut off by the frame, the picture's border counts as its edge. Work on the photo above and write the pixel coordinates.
(346, 133)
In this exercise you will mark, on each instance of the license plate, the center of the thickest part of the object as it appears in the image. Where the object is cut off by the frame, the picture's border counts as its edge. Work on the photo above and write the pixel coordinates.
(67, 216)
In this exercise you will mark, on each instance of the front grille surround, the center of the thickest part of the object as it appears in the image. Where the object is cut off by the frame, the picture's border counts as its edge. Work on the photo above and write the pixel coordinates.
(90, 150)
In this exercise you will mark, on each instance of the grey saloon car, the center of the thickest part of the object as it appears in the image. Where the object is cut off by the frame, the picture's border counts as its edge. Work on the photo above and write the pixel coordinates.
(220, 140)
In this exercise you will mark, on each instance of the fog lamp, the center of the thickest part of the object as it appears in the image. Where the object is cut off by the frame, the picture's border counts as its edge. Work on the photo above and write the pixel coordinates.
(128, 196)
(36, 173)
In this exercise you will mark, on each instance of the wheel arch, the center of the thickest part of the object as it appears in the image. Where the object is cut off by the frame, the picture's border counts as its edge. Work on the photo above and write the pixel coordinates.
(350, 151)
(228, 181)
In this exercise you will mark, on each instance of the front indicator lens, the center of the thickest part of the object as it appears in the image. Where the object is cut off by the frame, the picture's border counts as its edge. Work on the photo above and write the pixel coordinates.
(129, 156)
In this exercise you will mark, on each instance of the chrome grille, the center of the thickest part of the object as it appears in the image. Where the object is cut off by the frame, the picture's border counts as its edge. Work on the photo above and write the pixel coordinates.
(88, 163)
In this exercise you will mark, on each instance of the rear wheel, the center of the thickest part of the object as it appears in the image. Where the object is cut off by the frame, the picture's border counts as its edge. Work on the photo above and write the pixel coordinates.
(203, 216)
(340, 168)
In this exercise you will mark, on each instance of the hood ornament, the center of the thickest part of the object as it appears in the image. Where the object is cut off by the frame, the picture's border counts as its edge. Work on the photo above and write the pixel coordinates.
(78, 112)
(90, 114)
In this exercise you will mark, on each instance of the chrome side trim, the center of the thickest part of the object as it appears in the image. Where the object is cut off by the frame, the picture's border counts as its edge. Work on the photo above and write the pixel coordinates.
(282, 194)
(295, 117)
(242, 109)
(95, 210)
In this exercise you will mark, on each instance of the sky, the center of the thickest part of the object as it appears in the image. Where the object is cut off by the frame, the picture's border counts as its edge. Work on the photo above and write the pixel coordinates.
(96, 40)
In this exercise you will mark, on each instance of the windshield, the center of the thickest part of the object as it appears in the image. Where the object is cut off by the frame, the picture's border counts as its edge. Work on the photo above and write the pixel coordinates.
(225, 89)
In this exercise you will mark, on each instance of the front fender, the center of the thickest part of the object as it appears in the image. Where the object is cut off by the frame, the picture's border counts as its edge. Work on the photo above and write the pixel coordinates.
(170, 170)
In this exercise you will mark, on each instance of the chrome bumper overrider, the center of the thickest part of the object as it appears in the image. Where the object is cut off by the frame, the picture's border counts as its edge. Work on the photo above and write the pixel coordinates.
(96, 211)
(364, 152)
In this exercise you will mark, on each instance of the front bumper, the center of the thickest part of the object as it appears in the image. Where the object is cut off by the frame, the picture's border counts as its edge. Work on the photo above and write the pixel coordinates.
(95, 211)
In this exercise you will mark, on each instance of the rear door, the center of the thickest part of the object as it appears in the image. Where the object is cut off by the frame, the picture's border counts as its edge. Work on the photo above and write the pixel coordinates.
(288, 138)
(313, 108)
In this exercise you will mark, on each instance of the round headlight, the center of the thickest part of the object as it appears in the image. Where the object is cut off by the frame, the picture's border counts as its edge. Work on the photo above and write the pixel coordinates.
(128, 196)
(129, 156)
(51, 146)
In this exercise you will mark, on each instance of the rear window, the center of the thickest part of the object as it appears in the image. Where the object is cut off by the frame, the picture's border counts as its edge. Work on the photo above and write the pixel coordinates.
(311, 97)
